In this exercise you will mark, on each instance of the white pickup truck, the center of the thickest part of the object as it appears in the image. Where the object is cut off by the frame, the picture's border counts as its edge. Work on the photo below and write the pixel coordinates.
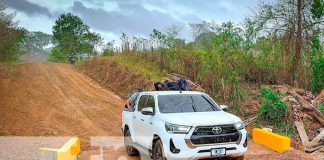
(181, 125)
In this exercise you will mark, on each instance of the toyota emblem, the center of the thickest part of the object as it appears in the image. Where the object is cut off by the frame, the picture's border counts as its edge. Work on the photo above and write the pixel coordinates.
(217, 130)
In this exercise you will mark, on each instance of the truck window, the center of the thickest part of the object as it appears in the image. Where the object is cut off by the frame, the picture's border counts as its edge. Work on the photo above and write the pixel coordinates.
(142, 102)
(150, 102)
(133, 99)
(185, 103)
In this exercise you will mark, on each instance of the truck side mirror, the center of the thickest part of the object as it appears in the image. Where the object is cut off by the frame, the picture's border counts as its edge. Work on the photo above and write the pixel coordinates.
(148, 111)
(223, 107)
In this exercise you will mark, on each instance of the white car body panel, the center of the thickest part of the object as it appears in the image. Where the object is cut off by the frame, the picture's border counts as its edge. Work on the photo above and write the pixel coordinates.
(200, 119)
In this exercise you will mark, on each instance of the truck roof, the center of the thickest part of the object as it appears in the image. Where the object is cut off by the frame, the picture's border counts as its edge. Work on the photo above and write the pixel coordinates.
(171, 92)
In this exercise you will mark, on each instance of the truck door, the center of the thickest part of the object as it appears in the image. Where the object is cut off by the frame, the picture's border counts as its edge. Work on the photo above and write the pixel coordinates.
(137, 119)
(145, 127)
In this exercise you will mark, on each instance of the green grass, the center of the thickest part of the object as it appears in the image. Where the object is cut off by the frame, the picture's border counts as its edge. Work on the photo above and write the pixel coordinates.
(10, 65)
(273, 112)
(322, 107)
(138, 65)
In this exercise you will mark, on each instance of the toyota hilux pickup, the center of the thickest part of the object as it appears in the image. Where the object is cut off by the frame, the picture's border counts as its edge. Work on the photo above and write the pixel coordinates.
(182, 125)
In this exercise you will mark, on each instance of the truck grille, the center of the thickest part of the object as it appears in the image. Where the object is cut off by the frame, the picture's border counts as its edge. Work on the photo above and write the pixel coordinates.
(221, 134)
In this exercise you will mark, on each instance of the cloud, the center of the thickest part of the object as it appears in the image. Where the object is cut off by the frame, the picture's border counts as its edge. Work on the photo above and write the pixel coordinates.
(207, 10)
(134, 17)
(95, 2)
(29, 8)
(129, 18)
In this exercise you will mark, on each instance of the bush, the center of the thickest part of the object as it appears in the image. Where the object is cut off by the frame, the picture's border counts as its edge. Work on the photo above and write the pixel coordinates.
(273, 111)
(317, 81)
(322, 107)
(107, 53)
(56, 56)
(11, 37)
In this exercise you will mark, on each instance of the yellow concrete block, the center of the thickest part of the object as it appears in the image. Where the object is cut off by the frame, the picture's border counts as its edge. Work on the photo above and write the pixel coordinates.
(48, 153)
(274, 141)
(68, 152)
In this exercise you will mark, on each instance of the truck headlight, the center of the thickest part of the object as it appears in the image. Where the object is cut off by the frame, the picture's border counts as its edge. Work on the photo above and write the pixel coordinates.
(239, 125)
(172, 128)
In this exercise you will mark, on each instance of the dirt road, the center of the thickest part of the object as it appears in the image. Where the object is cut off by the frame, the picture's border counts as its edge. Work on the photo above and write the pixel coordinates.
(55, 100)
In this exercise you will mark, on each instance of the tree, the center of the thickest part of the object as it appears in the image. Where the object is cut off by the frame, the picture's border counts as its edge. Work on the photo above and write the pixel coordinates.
(317, 80)
(56, 55)
(11, 36)
(249, 33)
(228, 38)
(317, 54)
(125, 42)
(179, 43)
(298, 45)
(204, 27)
(74, 38)
(317, 9)
(203, 40)
(90, 41)
(159, 39)
(290, 20)
(36, 41)
(108, 48)
(171, 34)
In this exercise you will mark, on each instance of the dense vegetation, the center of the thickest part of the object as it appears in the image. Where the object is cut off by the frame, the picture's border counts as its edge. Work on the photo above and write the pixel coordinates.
(16, 42)
(11, 37)
(74, 39)
(280, 44)
(35, 42)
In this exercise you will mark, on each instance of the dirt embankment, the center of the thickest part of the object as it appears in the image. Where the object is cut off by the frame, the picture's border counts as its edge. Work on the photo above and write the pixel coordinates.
(54, 99)
(114, 77)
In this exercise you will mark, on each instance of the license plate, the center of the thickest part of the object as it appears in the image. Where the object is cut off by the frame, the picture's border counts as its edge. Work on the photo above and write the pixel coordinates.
(218, 151)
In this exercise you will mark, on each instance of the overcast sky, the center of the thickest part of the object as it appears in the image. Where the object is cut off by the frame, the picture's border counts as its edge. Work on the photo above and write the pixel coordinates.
(134, 17)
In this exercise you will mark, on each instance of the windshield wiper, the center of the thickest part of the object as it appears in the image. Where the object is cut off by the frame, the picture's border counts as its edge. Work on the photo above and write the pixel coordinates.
(210, 103)
(193, 105)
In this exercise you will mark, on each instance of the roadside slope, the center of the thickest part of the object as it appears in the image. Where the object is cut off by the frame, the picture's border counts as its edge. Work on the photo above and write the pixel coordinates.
(54, 99)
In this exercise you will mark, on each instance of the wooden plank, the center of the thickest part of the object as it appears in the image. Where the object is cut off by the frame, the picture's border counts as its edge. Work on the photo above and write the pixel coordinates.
(316, 141)
(302, 133)
(309, 108)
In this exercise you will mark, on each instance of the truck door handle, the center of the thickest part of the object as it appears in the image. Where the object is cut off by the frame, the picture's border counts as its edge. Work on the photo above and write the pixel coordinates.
(142, 119)
(134, 117)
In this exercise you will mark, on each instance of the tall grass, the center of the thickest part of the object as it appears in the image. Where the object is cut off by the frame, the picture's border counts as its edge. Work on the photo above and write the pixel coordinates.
(139, 64)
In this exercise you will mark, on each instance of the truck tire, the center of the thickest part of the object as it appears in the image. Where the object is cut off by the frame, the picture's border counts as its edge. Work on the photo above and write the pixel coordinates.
(158, 153)
(131, 151)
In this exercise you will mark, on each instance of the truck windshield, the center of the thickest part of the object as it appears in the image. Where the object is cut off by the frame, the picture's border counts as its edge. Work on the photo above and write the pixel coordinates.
(186, 103)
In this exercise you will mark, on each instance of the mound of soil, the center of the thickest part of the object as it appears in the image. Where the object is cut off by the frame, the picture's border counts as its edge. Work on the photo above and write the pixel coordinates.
(114, 77)
(54, 99)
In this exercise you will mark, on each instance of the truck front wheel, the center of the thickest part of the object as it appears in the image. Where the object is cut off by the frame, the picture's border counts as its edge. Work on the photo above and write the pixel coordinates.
(158, 151)
(131, 151)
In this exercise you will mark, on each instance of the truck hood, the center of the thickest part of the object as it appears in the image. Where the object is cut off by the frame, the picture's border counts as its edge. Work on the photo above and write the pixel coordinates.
(200, 118)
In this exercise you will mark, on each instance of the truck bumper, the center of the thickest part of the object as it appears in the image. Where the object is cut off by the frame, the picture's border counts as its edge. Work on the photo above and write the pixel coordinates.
(187, 151)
